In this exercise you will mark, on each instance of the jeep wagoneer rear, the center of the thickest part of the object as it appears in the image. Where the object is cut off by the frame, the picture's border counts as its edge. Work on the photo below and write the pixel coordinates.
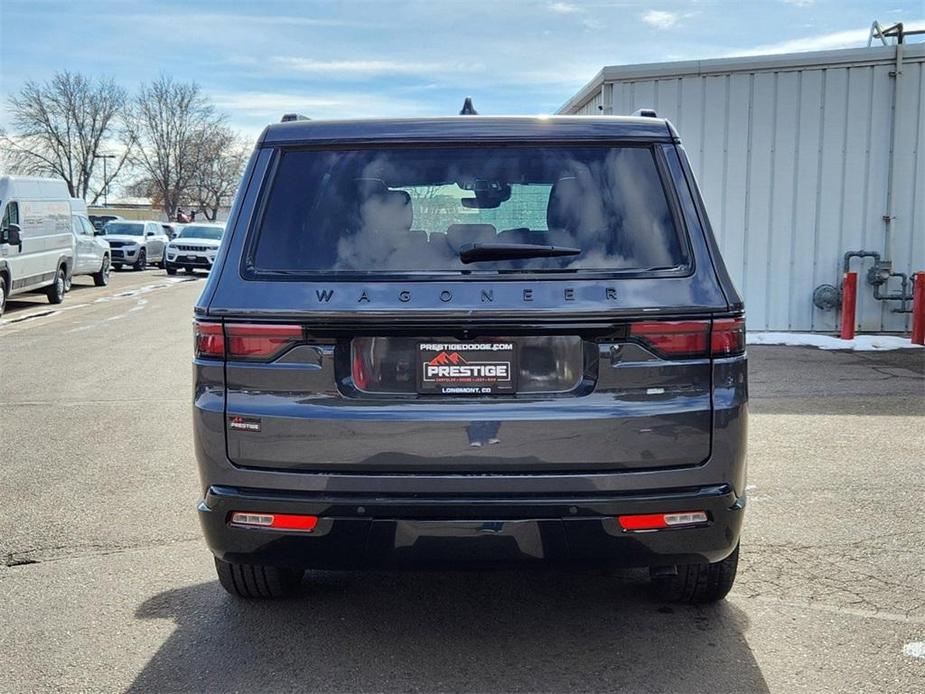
(470, 341)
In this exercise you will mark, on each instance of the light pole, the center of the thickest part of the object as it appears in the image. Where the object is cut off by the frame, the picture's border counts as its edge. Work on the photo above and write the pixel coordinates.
(104, 157)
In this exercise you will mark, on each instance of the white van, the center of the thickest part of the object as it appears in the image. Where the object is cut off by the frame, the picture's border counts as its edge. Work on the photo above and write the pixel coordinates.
(36, 242)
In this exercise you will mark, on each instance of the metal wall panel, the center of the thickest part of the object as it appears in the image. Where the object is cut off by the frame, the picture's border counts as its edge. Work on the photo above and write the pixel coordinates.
(591, 108)
(792, 155)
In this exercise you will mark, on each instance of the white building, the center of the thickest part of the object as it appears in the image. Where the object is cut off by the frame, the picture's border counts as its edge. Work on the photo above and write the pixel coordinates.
(793, 154)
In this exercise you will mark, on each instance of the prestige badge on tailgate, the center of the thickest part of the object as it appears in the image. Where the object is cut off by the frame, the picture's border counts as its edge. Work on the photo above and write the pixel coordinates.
(466, 368)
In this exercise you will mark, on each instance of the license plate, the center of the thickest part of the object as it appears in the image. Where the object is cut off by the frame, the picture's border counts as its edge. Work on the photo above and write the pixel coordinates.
(467, 368)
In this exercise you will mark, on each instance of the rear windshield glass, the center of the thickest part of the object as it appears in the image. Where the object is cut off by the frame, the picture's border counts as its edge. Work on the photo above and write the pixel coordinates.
(124, 229)
(201, 232)
(467, 209)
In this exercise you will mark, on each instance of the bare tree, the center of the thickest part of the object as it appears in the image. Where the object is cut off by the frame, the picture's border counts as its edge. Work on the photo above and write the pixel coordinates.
(173, 125)
(60, 127)
(219, 172)
(433, 208)
(145, 188)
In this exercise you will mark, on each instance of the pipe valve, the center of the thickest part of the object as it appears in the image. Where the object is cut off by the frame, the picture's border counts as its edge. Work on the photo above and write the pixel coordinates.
(880, 273)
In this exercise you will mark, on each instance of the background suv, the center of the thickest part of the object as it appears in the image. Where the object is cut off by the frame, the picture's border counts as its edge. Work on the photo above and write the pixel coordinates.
(471, 341)
(136, 243)
(195, 246)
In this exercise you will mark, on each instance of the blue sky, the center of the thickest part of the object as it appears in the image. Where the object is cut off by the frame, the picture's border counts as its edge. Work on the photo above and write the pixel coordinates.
(260, 58)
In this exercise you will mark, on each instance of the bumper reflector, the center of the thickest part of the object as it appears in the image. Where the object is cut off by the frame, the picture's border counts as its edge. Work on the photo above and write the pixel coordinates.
(654, 521)
(275, 521)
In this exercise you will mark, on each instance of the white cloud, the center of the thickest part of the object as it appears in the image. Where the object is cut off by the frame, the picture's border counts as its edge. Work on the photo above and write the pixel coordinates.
(590, 23)
(586, 19)
(250, 110)
(220, 20)
(541, 70)
(257, 103)
(368, 67)
(564, 8)
(800, 3)
(853, 38)
(661, 19)
(562, 76)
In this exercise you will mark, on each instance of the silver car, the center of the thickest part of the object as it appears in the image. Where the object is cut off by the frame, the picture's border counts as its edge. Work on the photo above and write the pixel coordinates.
(136, 243)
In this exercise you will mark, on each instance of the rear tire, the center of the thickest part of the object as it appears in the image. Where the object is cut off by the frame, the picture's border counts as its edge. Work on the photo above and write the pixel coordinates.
(55, 291)
(255, 582)
(2, 294)
(117, 267)
(101, 278)
(699, 583)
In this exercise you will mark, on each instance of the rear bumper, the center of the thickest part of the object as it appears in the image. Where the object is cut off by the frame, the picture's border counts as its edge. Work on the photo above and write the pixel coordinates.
(394, 531)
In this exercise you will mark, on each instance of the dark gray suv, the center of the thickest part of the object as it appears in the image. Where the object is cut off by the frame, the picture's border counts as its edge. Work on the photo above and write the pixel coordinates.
(471, 341)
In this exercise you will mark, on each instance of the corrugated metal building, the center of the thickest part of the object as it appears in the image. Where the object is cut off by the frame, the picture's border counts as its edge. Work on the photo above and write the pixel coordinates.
(793, 155)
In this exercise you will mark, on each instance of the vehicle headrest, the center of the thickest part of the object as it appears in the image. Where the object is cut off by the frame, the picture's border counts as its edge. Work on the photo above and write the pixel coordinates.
(573, 207)
(563, 200)
(386, 210)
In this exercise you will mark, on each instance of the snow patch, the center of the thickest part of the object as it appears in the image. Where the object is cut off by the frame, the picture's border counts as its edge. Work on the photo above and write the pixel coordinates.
(915, 649)
(129, 293)
(146, 289)
(861, 343)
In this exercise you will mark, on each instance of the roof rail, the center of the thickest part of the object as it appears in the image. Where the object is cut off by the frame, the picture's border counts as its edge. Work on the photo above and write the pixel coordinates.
(645, 113)
(289, 117)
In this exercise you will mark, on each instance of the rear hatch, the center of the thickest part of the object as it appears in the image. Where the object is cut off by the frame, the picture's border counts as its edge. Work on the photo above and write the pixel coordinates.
(474, 309)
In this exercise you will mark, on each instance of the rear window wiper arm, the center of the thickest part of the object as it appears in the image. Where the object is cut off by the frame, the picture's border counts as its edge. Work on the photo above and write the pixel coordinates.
(474, 252)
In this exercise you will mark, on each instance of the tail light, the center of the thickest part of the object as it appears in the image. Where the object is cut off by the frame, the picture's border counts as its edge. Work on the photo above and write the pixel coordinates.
(275, 521)
(258, 342)
(208, 340)
(656, 521)
(728, 337)
(674, 339)
(692, 339)
(253, 342)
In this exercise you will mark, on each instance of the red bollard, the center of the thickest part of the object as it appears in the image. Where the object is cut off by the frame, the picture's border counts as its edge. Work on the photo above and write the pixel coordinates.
(849, 303)
(918, 309)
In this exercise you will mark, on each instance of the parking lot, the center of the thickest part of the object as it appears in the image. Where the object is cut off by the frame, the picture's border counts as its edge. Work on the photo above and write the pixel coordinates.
(105, 583)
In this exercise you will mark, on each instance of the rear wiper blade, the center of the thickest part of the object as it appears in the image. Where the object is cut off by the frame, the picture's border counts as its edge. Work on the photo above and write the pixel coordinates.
(474, 252)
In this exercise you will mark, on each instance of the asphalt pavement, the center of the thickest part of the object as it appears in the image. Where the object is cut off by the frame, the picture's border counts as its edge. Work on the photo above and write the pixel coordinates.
(106, 585)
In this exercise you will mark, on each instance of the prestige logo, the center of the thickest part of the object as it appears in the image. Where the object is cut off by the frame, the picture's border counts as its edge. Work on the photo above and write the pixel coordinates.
(239, 423)
(452, 366)
(445, 358)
